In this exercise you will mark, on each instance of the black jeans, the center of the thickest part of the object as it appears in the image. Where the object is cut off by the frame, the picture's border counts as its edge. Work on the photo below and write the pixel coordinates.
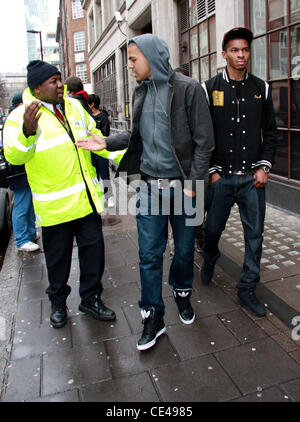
(221, 196)
(58, 248)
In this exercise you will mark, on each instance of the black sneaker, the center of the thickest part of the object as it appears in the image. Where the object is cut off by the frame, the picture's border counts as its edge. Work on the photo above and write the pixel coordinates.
(186, 312)
(154, 326)
(207, 272)
(249, 301)
(58, 316)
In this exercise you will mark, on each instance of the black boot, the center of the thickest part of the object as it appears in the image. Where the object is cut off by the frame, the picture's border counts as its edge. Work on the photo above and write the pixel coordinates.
(58, 316)
(97, 310)
(154, 326)
(207, 272)
(182, 299)
(249, 301)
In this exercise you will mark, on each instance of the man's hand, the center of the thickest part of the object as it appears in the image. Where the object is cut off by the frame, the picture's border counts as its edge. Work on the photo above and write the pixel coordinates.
(94, 143)
(189, 193)
(261, 178)
(214, 177)
(31, 118)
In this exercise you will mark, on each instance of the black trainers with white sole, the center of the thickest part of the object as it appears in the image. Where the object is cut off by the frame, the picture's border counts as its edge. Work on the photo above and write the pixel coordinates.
(154, 326)
(182, 299)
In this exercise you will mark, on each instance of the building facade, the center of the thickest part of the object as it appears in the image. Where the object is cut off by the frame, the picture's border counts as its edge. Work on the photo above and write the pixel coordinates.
(41, 28)
(193, 30)
(72, 37)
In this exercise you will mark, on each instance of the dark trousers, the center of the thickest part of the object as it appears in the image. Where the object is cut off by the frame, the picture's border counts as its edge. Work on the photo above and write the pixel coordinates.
(58, 247)
(102, 170)
(221, 196)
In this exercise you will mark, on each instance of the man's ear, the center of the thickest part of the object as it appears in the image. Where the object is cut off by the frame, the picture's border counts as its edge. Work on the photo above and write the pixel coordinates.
(224, 54)
(36, 90)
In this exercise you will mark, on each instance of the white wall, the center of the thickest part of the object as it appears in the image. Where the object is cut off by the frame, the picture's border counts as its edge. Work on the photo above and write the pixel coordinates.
(165, 26)
(229, 14)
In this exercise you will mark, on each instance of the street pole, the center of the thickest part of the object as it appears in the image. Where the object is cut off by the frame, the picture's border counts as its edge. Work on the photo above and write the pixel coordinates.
(42, 56)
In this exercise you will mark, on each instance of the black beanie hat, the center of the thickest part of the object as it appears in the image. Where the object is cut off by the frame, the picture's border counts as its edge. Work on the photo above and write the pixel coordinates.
(16, 99)
(39, 71)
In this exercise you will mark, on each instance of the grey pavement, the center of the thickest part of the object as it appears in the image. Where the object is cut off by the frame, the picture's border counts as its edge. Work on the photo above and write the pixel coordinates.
(227, 355)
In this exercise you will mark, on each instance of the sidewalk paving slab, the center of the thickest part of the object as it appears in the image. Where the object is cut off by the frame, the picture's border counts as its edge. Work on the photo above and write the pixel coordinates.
(226, 355)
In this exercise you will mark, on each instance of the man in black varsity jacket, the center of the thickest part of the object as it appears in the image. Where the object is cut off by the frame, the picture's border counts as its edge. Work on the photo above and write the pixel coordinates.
(245, 141)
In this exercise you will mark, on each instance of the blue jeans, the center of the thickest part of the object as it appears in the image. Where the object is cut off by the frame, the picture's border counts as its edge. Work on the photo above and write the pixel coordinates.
(152, 238)
(23, 217)
(221, 196)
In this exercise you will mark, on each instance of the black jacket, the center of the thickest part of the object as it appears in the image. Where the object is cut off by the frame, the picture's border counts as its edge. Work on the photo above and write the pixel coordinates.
(102, 122)
(83, 102)
(190, 129)
(244, 123)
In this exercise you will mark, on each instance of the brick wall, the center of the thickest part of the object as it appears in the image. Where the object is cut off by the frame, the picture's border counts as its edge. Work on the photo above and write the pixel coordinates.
(69, 27)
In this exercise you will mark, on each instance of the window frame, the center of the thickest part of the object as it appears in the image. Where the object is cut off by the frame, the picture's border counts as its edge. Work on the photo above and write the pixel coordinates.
(288, 26)
(79, 41)
(77, 9)
(205, 13)
(105, 78)
(82, 72)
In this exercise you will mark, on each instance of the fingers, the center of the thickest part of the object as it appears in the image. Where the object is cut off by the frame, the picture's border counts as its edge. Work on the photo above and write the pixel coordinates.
(36, 119)
(31, 117)
(32, 110)
(87, 144)
(189, 193)
(259, 183)
(94, 143)
(213, 178)
(82, 143)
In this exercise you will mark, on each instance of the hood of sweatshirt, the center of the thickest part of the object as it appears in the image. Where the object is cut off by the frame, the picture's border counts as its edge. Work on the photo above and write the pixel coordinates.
(157, 159)
(157, 54)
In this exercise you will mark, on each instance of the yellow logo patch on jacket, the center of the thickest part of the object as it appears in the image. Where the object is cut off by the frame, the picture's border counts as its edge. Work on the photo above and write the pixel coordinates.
(218, 98)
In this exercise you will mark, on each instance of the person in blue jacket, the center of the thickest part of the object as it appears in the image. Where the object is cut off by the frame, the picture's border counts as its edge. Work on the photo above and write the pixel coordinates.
(23, 217)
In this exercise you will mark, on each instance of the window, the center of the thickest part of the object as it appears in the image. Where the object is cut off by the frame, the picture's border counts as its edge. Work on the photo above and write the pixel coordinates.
(79, 41)
(110, 10)
(77, 10)
(81, 72)
(198, 38)
(98, 20)
(91, 27)
(106, 86)
(276, 58)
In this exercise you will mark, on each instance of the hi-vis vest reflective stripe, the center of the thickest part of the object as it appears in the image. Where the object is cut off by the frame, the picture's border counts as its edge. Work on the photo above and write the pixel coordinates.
(58, 172)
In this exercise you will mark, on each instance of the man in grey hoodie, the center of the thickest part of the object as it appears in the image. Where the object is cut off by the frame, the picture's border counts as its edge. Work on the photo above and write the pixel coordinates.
(170, 143)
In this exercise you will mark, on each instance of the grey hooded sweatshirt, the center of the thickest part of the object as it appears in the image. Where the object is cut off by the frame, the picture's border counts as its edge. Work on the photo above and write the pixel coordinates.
(157, 159)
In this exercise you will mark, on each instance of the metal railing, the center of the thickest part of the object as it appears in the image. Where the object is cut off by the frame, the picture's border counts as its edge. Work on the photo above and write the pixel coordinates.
(119, 124)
